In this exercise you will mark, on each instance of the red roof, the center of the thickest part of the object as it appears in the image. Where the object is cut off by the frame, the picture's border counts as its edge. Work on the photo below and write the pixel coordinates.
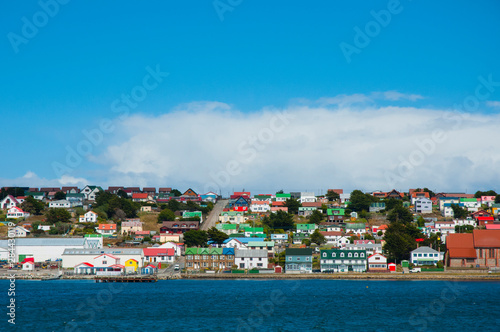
(492, 226)
(28, 259)
(109, 255)
(159, 251)
(486, 238)
(312, 204)
(461, 245)
(140, 196)
(85, 263)
(107, 227)
(485, 218)
(278, 203)
(382, 227)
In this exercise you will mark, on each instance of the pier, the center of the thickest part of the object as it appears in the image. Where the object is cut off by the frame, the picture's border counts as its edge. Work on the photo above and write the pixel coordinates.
(126, 279)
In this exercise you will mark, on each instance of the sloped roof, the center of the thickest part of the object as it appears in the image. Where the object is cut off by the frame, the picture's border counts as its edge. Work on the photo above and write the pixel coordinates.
(486, 238)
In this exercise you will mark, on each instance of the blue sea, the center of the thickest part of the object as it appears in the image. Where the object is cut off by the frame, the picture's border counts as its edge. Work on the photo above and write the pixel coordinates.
(253, 305)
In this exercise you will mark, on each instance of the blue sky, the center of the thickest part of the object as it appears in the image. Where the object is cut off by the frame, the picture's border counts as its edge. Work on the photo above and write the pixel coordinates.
(264, 56)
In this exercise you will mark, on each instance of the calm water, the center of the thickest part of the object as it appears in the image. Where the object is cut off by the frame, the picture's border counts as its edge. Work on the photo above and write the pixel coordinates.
(250, 305)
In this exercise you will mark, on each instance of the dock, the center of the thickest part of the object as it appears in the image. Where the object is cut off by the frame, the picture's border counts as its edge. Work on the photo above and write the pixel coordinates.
(126, 279)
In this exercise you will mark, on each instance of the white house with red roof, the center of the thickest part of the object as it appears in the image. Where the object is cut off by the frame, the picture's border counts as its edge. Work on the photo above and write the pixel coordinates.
(28, 266)
(171, 245)
(106, 260)
(16, 213)
(159, 255)
(260, 206)
(90, 216)
(106, 229)
(8, 202)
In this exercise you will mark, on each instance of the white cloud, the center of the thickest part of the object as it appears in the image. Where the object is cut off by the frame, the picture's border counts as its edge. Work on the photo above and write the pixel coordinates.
(202, 145)
(360, 98)
(31, 179)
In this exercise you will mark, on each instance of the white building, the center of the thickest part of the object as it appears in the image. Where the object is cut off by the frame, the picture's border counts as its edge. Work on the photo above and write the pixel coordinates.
(8, 202)
(28, 266)
(447, 211)
(260, 207)
(307, 197)
(18, 231)
(377, 262)
(251, 258)
(90, 192)
(171, 245)
(16, 212)
(423, 205)
(90, 216)
(72, 256)
(279, 238)
(337, 239)
(62, 203)
(426, 256)
(42, 249)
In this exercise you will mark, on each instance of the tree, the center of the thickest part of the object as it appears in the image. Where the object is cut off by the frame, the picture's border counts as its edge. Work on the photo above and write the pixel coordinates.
(120, 214)
(360, 201)
(293, 205)
(280, 219)
(459, 212)
(166, 215)
(122, 194)
(497, 199)
(176, 193)
(421, 221)
(464, 229)
(400, 214)
(391, 203)
(174, 205)
(332, 195)
(478, 194)
(32, 205)
(400, 240)
(217, 236)
(317, 238)
(316, 217)
(58, 215)
(194, 238)
(59, 195)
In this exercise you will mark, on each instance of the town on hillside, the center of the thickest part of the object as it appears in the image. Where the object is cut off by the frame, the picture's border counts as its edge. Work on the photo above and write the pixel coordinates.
(129, 231)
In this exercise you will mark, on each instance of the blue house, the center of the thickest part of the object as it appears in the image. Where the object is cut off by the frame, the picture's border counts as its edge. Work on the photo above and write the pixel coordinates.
(298, 260)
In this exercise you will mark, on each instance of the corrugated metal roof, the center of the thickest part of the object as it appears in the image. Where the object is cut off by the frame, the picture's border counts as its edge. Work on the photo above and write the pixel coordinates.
(240, 253)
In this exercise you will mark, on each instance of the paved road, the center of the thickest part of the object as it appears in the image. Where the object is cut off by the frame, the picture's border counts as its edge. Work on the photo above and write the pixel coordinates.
(213, 217)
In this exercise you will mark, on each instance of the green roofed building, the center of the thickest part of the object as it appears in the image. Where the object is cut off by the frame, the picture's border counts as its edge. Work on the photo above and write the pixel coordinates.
(335, 214)
(305, 228)
(227, 228)
(282, 197)
(299, 237)
(337, 260)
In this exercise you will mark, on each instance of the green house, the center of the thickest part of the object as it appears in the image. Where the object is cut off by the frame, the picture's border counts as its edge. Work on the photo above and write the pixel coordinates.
(298, 260)
(306, 228)
(337, 260)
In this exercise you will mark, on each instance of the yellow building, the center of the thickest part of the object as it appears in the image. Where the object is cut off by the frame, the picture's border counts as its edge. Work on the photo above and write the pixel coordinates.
(131, 265)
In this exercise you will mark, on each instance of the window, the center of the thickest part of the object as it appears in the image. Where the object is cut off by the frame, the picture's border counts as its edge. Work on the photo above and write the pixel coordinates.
(307, 258)
(289, 258)
(349, 254)
(342, 255)
(104, 262)
(425, 255)
(362, 255)
(324, 254)
(334, 255)
(355, 254)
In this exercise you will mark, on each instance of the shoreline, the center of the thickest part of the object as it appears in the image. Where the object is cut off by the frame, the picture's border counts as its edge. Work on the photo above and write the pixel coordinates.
(432, 276)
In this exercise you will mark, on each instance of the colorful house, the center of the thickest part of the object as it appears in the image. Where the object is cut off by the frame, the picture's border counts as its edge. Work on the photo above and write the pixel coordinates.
(298, 260)
(131, 265)
(336, 260)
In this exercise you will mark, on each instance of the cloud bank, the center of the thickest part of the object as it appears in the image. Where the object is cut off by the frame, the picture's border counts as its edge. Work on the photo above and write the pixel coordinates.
(212, 146)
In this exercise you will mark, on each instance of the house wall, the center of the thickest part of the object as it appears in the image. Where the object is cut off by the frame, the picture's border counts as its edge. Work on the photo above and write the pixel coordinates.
(70, 261)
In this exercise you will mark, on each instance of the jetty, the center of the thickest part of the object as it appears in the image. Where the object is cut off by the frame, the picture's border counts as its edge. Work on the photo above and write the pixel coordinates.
(126, 279)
